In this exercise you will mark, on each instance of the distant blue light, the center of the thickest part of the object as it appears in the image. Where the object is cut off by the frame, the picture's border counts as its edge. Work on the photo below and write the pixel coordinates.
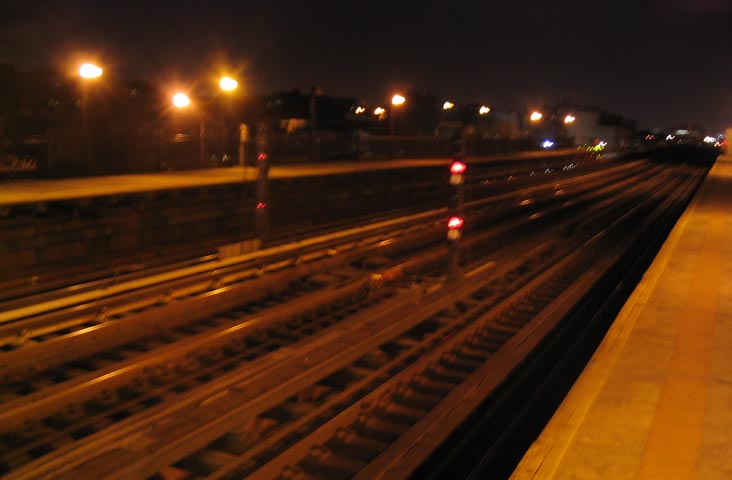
(547, 144)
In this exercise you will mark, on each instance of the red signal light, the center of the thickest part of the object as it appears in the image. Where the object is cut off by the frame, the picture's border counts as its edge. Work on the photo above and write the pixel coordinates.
(457, 168)
(262, 157)
(455, 223)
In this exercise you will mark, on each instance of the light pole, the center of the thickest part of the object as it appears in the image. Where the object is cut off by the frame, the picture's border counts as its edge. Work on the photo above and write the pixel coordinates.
(88, 72)
(182, 101)
(228, 86)
(396, 101)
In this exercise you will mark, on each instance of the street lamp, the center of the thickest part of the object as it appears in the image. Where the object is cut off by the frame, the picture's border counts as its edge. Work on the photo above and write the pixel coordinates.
(228, 84)
(88, 72)
(535, 116)
(484, 110)
(396, 101)
(569, 119)
(181, 101)
(448, 105)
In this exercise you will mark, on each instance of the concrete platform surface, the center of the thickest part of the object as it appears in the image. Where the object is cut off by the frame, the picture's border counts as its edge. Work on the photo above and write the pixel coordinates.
(29, 191)
(655, 401)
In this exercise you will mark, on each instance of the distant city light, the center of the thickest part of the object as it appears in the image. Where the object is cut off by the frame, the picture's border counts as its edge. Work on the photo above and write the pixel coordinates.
(447, 105)
(228, 84)
(546, 144)
(710, 140)
(181, 100)
(359, 110)
(484, 110)
(398, 100)
(378, 111)
(536, 116)
(89, 70)
(670, 137)
(569, 119)
(602, 144)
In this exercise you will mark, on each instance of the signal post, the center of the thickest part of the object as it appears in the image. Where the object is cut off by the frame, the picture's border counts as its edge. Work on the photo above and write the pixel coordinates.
(455, 221)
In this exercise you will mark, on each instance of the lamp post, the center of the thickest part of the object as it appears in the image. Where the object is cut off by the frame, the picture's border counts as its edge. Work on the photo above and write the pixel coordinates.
(396, 101)
(228, 86)
(88, 72)
(182, 101)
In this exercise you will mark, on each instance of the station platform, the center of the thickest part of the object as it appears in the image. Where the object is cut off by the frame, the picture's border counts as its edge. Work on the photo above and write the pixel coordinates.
(30, 191)
(655, 401)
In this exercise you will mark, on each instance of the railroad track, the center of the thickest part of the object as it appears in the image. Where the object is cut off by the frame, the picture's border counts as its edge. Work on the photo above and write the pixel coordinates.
(55, 282)
(92, 297)
(196, 368)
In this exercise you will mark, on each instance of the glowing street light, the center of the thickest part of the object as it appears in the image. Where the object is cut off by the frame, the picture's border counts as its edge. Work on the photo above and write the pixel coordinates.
(448, 105)
(228, 84)
(483, 110)
(379, 111)
(89, 70)
(359, 110)
(398, 100)
(535, 116)
(569, 119)
(181, 100)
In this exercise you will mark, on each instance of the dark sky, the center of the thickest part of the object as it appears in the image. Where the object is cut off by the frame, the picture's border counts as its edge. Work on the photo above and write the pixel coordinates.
(662, 62)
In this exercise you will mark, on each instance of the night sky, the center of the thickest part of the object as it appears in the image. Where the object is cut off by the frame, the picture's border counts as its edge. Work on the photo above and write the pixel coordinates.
(661, 62)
